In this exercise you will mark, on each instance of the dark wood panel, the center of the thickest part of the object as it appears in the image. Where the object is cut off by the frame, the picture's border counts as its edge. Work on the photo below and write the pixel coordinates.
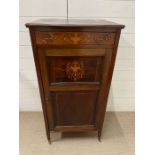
(75, 128)
(74, 52)
(74, 108)
(74, 69)
(74, 87)
(41, 85)
(44, 75)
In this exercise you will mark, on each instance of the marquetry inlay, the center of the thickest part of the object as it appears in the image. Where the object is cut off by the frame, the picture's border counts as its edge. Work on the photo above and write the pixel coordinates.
(75, 70)
(74, 38)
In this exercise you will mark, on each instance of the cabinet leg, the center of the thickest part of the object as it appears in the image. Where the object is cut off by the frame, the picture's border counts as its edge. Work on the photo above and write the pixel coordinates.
(48, 137)
(49, 140)
(99, 135)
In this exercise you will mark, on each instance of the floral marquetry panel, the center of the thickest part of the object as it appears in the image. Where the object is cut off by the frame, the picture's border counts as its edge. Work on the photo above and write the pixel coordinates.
(74, 69)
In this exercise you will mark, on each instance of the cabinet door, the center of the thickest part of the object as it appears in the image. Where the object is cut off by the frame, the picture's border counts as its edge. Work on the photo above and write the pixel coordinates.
(73, 80)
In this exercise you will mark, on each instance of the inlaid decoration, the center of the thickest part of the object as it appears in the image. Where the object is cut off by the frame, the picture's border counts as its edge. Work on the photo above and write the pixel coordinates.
(71, 69)
(75, 70)
(75, 38)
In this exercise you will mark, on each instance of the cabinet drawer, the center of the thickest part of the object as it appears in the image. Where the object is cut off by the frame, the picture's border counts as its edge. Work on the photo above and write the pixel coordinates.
(74, 38)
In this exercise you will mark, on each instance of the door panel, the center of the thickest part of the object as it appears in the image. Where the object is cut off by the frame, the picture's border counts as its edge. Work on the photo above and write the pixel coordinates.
(74, 108)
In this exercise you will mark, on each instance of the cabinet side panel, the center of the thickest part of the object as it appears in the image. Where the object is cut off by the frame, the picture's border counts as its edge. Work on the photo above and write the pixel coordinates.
(41, 90)
(106, 82)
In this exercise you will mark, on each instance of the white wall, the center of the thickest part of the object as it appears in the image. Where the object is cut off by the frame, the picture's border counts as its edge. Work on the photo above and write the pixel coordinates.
(121, 96)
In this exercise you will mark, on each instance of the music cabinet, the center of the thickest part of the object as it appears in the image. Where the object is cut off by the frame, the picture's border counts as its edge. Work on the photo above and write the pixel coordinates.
(74, 61)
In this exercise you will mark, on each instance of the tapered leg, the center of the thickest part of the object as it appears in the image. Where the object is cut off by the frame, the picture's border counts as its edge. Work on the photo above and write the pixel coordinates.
(99, 134)
(48, 137)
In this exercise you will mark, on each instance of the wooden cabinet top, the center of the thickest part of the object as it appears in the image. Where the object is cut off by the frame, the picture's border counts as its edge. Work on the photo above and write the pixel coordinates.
(74, 23)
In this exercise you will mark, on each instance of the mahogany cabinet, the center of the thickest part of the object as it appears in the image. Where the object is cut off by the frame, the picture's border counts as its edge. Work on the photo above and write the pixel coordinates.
(74, 61)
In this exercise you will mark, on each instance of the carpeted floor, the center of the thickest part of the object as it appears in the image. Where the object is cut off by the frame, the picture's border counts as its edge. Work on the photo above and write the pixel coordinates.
(117, 137)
